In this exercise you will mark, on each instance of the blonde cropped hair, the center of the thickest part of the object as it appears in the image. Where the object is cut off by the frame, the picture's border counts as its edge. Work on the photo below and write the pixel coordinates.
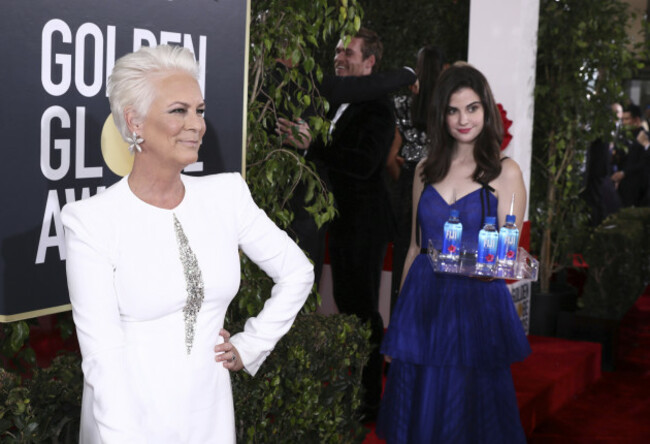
(130, 84)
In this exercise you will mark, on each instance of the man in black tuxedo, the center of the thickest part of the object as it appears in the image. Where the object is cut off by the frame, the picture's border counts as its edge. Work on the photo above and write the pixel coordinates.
(354, 160)
(600, 192)
(631, 179)
(296, 133)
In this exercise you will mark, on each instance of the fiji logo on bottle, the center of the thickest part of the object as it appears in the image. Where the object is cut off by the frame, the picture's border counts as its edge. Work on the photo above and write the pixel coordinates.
(452, 237)
(510, 245)
(452, 234)
(487, 252)
(489, 243)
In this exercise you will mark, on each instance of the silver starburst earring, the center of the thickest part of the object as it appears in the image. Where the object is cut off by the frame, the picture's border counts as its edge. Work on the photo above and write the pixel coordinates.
(134, 142)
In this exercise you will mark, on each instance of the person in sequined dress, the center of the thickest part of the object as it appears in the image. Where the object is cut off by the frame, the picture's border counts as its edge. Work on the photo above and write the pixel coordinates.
(153, 263)
(409, 147)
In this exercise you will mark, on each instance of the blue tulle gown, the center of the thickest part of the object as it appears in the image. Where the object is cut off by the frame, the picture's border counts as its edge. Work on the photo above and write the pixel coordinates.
(452, 339)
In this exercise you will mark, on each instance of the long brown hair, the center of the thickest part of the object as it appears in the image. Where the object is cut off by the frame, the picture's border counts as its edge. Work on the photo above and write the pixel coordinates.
(487, 147)
(428, 68)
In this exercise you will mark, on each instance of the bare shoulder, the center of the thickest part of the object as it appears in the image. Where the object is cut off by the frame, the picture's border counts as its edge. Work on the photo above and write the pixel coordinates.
(510, 170)
(418, 174)
(510, 179)
(419, 168)
(510, 166)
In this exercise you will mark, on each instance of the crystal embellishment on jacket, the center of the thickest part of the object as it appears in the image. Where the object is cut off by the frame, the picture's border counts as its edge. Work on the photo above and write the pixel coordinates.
(194, 282)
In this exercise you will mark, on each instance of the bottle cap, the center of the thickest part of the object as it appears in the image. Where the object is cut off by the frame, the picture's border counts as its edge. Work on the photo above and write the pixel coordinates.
(453, 213)
(510, 218)
(491, 220)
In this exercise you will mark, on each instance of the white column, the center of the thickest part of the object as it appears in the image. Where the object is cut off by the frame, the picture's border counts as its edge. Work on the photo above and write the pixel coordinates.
(503, 46)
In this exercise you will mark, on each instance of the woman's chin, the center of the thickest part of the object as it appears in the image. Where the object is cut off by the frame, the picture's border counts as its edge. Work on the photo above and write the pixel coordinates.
(190, 160)
(189, 156)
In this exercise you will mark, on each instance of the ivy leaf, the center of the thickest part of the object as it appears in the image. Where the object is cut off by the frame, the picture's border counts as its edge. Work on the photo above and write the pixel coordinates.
(295, 56)
(19, 335)
(309, 64)
(270, 176)
(311, 39)
(309, 195)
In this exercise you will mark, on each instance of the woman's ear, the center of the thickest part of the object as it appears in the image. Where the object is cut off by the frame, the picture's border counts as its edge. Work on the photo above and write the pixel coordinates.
(133, 122)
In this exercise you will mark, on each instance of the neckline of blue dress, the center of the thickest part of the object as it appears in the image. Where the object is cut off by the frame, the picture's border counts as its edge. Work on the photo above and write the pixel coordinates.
(457, 200)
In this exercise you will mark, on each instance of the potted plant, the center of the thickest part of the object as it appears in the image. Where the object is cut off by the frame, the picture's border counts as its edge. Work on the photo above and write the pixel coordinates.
(619, 265)
(584, 55)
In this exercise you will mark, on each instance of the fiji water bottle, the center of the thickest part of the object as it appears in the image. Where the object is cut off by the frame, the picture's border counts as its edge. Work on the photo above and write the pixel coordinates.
(453, 232)
(508, 241)
(488, 239)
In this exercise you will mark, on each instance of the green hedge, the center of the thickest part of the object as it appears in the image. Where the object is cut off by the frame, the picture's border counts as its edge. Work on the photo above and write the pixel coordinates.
(44, 408)
(618, 255)
(306, 391)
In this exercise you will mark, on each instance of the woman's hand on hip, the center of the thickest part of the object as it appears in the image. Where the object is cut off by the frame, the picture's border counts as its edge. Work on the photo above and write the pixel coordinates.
(227, 353)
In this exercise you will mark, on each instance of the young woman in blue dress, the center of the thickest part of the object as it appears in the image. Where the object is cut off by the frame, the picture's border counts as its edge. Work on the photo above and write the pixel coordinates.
(452, 338)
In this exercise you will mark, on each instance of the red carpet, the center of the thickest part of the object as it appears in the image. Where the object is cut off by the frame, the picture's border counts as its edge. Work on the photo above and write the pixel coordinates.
(634, 337)
(557, 370)
(616, 409)
(563, 398)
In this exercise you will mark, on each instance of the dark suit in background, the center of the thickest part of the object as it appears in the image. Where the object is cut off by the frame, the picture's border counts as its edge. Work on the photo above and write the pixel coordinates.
(354, 161)
(336, 90)
(600, 192)
(632, 188)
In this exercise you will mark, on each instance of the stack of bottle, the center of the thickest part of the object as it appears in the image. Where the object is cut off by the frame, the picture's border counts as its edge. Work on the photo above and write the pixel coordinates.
(497, 249)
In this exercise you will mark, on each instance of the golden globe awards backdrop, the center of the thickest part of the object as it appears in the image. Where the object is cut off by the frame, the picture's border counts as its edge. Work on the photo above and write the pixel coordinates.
(55, 57)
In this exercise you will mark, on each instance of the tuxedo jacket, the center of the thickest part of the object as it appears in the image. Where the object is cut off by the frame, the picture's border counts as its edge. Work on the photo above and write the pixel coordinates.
(348, 89)
(632, 187)
(356, 89)
(353, 163)
(342, 89)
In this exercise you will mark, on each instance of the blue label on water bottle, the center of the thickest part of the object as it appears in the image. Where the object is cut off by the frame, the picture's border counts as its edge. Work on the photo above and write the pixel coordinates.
(451, 242)
(487, 247)
(507, 251)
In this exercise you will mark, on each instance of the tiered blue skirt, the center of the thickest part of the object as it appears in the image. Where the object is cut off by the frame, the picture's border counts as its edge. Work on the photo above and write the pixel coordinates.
(452, 340)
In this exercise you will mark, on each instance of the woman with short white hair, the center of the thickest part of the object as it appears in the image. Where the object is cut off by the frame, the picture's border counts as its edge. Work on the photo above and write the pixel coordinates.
(153, 262)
